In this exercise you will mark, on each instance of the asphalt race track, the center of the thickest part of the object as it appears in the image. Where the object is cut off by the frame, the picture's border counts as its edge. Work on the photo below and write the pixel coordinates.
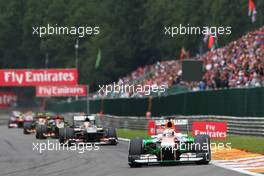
(18, 158)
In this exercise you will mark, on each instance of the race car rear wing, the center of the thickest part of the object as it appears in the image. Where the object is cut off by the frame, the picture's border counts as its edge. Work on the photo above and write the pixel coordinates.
(83, 117)
(174, 121)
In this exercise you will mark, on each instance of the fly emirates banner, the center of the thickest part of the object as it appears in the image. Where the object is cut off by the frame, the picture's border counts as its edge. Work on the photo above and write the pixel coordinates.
(34, 77)
(61, 91)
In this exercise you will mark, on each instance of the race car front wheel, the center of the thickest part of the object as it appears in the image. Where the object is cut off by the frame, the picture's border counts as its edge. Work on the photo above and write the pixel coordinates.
(203, 148)
(40, 131)
(9, 122)
(65, 134)
(26, 127)
(111, 132)
(135, 150)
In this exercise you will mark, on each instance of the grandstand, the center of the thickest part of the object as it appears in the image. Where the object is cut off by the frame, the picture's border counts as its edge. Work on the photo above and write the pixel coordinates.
(236, 65)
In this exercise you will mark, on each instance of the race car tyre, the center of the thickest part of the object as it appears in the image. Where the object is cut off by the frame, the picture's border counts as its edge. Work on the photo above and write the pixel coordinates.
(65, 134)
(26, 127)
(62, 135)
(40, 131)
(204, 148)
(111, 132)
(20, 124)
(9, 122)
(135, 149)
(37, 133)
(70, 133)
(56, 131)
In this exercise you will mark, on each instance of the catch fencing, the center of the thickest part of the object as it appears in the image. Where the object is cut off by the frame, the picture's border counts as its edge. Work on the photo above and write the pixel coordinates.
(236, 125)
(241, 108)
(246, 102)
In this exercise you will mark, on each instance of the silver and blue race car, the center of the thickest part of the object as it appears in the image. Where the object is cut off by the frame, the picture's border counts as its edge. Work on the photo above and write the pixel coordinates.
(85, 129)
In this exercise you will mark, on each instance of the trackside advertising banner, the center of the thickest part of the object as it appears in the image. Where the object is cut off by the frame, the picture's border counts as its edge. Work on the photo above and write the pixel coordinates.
(61, 91)
(158, 126)
(33, 77)
(151, 127)
(7, 99)
(216, 130)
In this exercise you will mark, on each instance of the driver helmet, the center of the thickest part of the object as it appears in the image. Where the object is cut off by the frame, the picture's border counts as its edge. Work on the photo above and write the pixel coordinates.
(169, 124)
(57, 119)
(169, 132)
(87, 119)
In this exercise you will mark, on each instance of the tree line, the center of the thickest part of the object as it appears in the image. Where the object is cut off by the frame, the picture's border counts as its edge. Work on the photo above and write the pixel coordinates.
(131, 32)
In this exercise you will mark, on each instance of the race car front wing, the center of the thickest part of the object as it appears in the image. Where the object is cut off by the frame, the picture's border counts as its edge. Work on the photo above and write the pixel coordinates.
(149, 158)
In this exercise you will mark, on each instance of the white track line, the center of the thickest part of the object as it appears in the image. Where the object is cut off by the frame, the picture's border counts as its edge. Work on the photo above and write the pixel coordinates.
(249, 158)
(124, 139)
(236, 169)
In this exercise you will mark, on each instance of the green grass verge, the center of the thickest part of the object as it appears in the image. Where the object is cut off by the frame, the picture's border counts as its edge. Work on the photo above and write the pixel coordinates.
(129, 134)
(248, 143)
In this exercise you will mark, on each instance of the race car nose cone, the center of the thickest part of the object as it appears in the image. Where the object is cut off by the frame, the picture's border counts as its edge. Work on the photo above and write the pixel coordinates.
(167, 145)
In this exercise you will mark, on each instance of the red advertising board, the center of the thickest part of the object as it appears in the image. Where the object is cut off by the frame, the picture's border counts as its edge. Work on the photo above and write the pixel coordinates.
(158, 126)
(216, 130)
(151, 127)
(61, 91)
(33, 77)
(7, 99)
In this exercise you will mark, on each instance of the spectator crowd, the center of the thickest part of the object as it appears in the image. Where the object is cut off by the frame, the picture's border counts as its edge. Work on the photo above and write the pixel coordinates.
(236, 65)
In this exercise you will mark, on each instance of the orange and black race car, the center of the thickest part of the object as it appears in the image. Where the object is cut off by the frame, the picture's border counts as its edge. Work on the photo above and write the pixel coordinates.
(31, 121)
(49, 127)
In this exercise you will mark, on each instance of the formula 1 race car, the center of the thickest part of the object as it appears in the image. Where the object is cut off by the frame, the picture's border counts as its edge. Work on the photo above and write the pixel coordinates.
(49, 127)
(168, 145)
(84, 129)
(31, 121)
(16, 120)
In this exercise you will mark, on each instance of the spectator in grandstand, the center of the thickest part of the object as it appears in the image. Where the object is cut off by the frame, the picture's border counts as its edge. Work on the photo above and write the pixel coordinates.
(238, 64)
